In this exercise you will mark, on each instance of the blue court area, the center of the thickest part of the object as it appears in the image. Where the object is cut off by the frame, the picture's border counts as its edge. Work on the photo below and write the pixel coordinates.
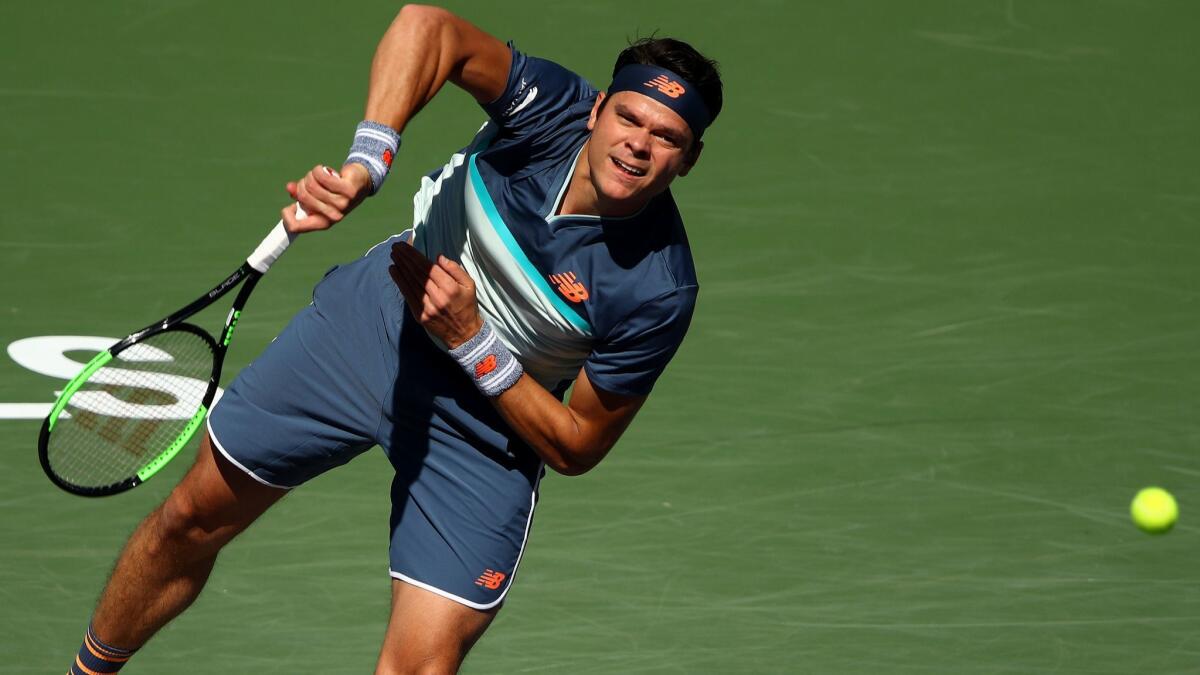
(947, 327)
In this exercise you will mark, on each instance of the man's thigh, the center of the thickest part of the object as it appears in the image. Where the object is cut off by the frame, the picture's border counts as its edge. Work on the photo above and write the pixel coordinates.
(313, 399)
(428, 633)
(217, 498)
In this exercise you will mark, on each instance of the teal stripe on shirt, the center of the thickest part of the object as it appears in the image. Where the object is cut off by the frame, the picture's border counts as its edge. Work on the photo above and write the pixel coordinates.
(489, 207)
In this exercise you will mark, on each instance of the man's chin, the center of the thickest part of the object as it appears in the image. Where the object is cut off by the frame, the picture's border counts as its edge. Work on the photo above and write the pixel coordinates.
(621, 204)
(620, 196)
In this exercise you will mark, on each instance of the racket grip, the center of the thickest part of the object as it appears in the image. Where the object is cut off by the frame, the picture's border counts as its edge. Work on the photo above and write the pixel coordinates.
(278, 240)
(274, 245)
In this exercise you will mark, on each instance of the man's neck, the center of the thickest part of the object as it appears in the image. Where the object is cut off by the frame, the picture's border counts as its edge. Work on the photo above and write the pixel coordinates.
(581, 198)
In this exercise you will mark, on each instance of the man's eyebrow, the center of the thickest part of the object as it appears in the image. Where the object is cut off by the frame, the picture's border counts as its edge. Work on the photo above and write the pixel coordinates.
(674, 134)
(622, 110)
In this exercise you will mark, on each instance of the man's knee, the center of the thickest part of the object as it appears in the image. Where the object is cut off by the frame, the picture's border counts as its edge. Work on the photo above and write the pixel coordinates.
(210, 506)
(413, 662)
(181, 521)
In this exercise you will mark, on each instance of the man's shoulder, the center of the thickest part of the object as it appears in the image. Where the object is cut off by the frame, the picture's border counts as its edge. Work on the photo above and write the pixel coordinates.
(650, 266)
(657, 233)
(537, 92)
(539, 121)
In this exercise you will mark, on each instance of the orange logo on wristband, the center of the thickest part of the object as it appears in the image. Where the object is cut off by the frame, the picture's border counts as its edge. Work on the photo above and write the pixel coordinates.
(485, 366)
(387, 158)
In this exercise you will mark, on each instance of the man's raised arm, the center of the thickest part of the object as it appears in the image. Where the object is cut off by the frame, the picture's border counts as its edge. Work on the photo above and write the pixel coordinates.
(424, 48)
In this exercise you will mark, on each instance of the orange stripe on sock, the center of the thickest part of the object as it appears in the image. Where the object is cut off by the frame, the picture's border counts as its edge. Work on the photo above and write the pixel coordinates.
(88, 643)
(100, 652)
(85, 669)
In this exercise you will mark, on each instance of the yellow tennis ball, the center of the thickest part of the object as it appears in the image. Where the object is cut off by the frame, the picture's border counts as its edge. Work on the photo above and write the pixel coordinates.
(1154, 510)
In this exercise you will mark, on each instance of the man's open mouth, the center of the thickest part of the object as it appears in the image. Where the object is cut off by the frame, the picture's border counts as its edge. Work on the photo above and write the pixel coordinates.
(632, 171)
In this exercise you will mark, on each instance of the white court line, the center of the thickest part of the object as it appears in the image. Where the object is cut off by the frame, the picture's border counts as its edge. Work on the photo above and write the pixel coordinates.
(24, 411)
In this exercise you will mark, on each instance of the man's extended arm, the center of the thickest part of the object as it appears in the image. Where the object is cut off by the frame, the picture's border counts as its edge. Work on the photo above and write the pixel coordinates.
(571, 439)
(424, 48)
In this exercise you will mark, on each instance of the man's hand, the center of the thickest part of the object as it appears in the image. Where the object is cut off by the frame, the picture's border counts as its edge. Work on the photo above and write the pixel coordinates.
(326, 196)
(440, 295)
(571, 438)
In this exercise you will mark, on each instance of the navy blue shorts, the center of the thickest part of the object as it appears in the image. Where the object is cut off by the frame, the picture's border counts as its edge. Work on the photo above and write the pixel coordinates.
(353, 370)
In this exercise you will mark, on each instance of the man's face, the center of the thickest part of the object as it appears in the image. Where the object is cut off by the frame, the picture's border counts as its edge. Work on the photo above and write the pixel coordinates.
(638, 147)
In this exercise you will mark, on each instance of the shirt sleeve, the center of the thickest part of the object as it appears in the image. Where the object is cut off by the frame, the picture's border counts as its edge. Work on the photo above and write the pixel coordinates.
(538, 91)
(637, 351)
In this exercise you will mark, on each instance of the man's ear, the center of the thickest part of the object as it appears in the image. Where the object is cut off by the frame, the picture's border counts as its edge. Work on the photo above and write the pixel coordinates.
(693, 156)
(595, 111)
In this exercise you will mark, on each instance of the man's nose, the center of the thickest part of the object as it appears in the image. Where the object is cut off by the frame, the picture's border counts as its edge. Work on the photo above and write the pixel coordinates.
(639, 142)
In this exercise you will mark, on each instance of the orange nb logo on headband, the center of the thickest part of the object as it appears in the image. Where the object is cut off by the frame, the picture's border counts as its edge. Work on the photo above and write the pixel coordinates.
(669, 87)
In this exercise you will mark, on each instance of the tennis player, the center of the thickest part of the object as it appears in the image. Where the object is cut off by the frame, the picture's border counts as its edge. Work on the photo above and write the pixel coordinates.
(546, 253)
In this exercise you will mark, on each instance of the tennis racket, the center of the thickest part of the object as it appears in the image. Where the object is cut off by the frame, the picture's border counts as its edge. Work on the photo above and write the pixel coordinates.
(136, 405)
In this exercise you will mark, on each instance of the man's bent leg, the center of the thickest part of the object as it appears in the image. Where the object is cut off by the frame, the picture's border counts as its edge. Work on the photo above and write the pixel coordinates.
(427, 633)
(170, 555)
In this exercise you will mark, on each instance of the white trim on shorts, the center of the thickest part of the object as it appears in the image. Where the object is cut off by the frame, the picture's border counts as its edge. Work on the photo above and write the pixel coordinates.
(511, 577)
(391, 237)
(221, 448)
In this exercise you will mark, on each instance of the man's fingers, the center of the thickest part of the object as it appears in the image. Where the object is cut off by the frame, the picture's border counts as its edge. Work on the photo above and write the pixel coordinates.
(413, 267)
(405, 251)
(406, 268)
(430, 289)
(316, 186)
(441, 277)
(308, 224)
(315, 200)
(410, 293)
(437, 297)
(324, 208)
(408, 279)
(414, 303)
(455, 271)
(329, 179)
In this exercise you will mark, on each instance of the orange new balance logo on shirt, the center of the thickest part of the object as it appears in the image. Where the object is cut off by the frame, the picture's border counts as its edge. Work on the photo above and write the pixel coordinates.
(569, 287)
(490, 579)
(669, 87)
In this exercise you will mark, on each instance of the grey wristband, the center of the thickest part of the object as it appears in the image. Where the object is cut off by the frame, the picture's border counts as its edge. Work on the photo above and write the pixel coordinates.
(490, 365)
(374, 147)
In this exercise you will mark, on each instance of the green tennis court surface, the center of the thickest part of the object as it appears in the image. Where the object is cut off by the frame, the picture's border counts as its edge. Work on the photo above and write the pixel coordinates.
(949, 324)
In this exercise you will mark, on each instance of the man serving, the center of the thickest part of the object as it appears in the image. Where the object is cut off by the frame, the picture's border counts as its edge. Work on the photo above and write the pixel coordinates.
(547, 254)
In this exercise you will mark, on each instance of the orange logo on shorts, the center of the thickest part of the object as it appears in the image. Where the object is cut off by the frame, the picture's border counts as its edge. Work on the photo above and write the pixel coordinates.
(569, 287)
(491, 579)
(485, 366)
(669, 87)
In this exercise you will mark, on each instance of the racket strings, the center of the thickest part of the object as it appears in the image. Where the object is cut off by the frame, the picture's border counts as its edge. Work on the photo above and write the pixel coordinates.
(131, 410)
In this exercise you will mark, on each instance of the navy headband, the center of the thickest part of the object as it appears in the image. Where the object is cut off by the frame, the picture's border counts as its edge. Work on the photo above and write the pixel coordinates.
(667, 88)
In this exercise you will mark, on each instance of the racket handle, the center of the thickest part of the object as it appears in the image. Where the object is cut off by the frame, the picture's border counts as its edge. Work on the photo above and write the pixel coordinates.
(278, 240)
(273, 245)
